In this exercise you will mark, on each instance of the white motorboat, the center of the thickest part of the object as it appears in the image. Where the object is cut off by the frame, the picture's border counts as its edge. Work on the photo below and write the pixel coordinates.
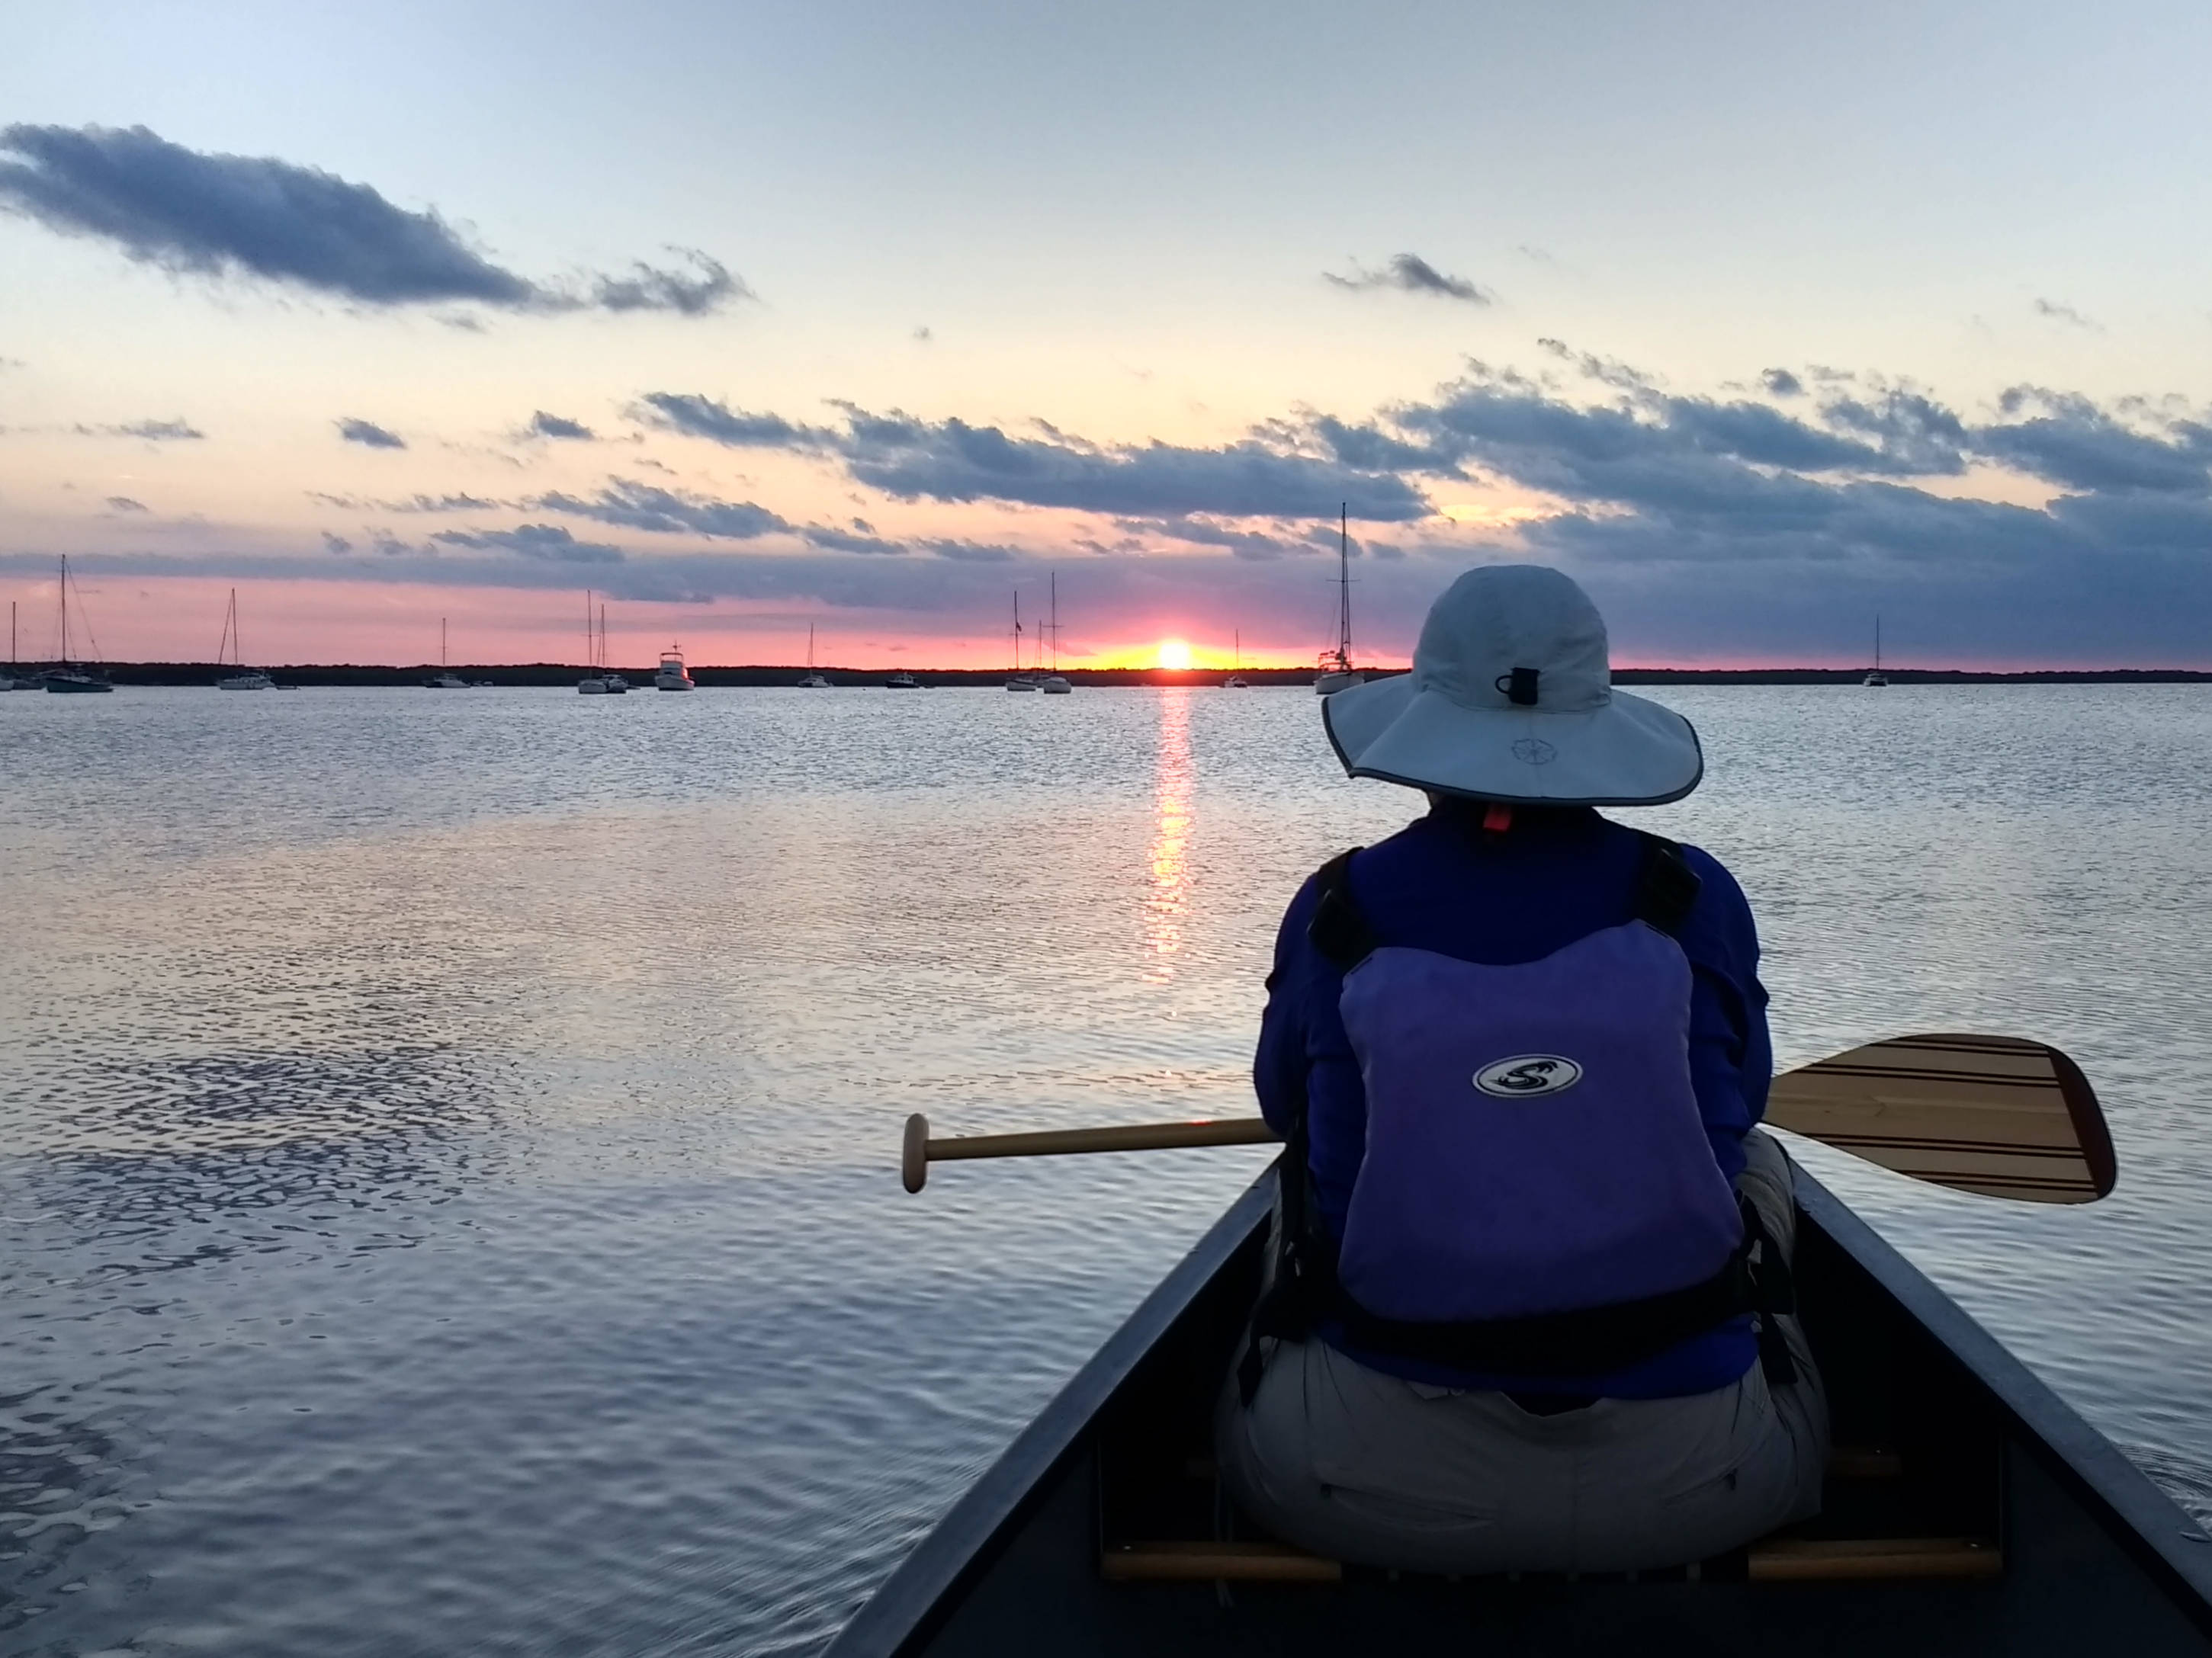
(902, 681)
(1337, 673)
(671, 674)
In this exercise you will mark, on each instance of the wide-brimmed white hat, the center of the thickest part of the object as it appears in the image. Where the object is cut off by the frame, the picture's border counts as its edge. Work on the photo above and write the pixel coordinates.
(1511, 699)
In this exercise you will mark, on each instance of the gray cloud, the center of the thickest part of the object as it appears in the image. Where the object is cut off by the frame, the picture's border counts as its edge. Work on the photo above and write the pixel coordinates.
(635, 505)
(368, 432)
(1409, 273)
(2067, 439)
(1781, 382)
(336, 544)
(417, 502)
(545, 541)
(704, 417)
(153, 431)
(542, 425)
(971, 552)
(2066, 313)
(125, 504)
(218, 216)
(845, 541)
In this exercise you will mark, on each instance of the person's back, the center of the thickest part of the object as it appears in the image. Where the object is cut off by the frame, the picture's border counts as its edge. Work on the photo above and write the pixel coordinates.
(1526, 1311)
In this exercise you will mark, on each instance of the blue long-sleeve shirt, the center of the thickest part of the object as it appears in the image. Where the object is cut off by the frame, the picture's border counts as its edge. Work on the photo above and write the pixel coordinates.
(1558, 875)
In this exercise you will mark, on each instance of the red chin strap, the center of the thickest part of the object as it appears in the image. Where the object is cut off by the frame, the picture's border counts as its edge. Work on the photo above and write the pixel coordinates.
(1496, 818)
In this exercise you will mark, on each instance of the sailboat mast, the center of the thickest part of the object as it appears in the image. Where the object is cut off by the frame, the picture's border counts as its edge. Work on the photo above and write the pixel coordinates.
(1344, 585)
(1018, 632)
(66, 638)
(441, 641)
(1054, 628)
(1877, 641)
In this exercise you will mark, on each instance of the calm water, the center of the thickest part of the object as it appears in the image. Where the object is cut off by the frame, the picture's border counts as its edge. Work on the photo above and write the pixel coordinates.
(447, 1143)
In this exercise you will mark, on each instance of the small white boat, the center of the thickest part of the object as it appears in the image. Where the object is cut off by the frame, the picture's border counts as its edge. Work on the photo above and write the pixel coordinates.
(1055, 684)
(1877, 678)
(813, 682)
(672, 676)
(1337, 673)
(902, 681)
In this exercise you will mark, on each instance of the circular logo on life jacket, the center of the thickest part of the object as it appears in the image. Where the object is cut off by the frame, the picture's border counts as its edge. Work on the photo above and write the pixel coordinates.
(1527, 1076)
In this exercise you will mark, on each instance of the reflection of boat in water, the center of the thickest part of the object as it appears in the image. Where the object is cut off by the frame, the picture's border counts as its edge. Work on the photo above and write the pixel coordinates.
(1054, 684)
(813, 682)
(1337, 673)
(245, 678)
(68, 677)
(902, 681)
(1967, 1509)
(1877, 678)
(672, 676)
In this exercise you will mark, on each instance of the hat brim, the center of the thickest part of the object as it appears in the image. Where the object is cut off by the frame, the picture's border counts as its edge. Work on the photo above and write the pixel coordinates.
(1631, 752)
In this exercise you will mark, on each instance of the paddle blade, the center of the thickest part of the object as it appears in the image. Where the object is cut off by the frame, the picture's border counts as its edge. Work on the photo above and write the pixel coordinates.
(1990, 1114)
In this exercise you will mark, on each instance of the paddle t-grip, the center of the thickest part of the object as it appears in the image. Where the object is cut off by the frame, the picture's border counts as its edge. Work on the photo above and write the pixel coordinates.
(914, 1154)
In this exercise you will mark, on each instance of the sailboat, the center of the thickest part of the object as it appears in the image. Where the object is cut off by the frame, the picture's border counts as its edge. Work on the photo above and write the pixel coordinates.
(1337, 672)
(1236, 681)
(1054, 684)
(1020, 681)
(813, 682)
(67, 676)
(445, 679)
(15, 679)
(1877, 678)
(245, 679)
(600, 681)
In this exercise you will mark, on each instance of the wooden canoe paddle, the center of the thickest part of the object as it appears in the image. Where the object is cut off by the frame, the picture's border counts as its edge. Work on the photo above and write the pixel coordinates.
(1990, 1114)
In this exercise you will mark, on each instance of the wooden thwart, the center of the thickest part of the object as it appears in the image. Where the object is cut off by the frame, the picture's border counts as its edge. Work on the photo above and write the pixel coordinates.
(1776, 1560)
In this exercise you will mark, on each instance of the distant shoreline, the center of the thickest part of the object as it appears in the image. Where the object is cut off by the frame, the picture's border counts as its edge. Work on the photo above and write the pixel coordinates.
(561, 674)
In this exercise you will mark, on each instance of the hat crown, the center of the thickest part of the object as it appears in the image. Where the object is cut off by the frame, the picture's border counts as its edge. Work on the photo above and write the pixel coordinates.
(1503, 616)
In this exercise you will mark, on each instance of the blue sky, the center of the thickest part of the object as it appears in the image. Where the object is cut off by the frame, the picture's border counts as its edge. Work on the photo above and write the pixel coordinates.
(761, 317)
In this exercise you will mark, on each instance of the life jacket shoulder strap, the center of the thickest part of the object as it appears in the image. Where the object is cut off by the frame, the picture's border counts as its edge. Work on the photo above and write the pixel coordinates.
(1338, 930)
(1666, 888)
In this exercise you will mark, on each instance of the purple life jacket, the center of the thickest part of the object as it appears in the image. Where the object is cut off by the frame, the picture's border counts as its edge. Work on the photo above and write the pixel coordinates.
(1533, 1144)
(1538, 1195)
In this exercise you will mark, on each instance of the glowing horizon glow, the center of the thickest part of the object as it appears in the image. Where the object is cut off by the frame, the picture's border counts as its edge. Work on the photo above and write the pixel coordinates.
(1173, 654)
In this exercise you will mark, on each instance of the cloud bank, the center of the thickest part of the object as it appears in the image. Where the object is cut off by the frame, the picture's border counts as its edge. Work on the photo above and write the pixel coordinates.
(229, 216)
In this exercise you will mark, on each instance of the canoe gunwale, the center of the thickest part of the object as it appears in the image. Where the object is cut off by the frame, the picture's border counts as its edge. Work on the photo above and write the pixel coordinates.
(2149, 1525)
(925, 1588)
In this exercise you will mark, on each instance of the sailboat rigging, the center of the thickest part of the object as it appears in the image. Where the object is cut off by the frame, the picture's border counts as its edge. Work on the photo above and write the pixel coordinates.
(1054, 684)
(1877, 678)
(814, 681)
(1019, 681)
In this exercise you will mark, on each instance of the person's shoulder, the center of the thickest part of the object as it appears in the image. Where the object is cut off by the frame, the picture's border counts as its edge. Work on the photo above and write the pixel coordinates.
(1722, 913)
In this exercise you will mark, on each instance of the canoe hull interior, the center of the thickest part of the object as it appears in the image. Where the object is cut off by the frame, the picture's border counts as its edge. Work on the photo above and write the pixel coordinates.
(1955, 1441)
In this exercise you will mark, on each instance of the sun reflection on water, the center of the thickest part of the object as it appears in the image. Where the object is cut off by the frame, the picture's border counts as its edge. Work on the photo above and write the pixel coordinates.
(1168, 896)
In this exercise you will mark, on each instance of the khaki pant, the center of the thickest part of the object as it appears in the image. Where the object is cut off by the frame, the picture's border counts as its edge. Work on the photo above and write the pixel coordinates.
(1359, 1466)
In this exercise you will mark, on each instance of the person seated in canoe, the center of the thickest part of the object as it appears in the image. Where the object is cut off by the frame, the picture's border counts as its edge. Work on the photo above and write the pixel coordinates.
(1527, 1306)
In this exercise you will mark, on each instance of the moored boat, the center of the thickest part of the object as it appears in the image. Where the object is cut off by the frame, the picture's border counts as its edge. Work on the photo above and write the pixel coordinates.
(1968, 1510)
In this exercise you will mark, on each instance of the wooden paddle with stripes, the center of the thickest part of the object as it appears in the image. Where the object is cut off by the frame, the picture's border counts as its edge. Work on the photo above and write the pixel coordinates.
(1992, 1114)
(1989, 1114)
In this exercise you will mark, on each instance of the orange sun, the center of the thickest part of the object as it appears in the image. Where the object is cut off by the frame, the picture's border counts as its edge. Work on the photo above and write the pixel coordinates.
(1174, 654)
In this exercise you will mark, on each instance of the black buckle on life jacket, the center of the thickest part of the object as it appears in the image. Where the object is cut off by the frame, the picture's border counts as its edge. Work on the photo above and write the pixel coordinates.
(1666, 887)
(1338, 930)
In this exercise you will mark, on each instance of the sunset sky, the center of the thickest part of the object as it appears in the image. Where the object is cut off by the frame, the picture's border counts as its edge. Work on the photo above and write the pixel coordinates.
(1758, 321)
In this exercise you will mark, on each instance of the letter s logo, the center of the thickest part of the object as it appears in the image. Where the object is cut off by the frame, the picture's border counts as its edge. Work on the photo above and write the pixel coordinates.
(1529, 1076)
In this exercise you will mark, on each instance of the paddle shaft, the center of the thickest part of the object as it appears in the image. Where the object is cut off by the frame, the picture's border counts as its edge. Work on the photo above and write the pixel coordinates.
(1989, 1114)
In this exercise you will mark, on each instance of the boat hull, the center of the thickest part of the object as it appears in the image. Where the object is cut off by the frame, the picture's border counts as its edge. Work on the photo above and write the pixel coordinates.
(2026, 1532)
